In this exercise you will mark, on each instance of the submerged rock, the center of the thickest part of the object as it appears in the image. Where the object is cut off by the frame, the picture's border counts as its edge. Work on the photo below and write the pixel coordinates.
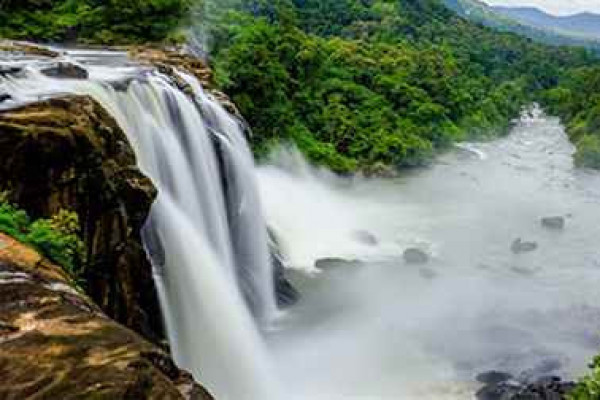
(556, 223)
(6, 70)
(66, 70)
(415, 256)
(493, 377)
(365, 237)
(57, 344)
(519, 246)
(331, 263)
(427, 273)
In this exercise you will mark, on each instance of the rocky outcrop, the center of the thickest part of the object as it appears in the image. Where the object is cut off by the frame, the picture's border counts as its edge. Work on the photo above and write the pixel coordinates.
(55, 343)
(66, 70)
(167, 61)
(21, 48)
(69, 153)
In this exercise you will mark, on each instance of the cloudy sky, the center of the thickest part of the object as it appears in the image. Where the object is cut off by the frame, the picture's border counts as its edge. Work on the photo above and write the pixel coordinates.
(560, 7)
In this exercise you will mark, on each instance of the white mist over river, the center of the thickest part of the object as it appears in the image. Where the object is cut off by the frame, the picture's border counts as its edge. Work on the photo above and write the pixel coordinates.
(389, 330)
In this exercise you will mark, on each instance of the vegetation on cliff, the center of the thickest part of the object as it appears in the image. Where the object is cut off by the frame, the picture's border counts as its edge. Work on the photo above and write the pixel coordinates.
(97, 21)
(56, 238)
(356, 84)
(577, 101)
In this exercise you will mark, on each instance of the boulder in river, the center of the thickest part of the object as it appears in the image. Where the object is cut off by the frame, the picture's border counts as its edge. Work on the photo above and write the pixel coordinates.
(556, 223)
(365, 237)
(502, 386)
(414, 255)
(66, 70)
(7, 70)
(520, 246)
(331, 263)
(493, 377)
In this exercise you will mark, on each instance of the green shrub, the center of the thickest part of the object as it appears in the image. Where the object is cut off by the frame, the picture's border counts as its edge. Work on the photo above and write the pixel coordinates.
(589, 387)
(55, 238)
(106, 21)
(588, 152)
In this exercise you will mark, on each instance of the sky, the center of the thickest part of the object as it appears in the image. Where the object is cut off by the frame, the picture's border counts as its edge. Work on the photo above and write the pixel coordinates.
(558, 7)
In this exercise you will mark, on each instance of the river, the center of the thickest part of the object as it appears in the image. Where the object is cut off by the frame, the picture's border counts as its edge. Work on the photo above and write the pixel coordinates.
(390, 330)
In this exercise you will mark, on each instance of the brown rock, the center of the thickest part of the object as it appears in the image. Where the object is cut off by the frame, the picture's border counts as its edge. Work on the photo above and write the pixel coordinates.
(168, 60)
(66, 70)
(69, 153)
(61, 346)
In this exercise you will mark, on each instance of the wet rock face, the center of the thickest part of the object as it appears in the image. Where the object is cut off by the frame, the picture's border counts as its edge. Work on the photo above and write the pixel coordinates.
(68, 153)
(55, 343)
(286, 294)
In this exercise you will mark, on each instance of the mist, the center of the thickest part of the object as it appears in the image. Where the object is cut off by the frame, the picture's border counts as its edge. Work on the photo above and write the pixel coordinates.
(388, 329)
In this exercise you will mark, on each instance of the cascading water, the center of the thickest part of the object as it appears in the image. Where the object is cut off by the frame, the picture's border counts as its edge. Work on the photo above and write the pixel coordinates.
(207, 240)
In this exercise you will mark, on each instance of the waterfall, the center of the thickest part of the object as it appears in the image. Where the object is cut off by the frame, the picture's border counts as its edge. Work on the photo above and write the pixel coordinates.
(205, 235)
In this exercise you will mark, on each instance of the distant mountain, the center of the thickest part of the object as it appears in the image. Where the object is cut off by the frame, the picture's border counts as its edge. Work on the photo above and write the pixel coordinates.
(578, 30)
(584, 24)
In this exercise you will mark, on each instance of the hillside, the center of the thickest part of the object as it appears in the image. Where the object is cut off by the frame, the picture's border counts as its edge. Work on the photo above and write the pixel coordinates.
(532, 23)
(582, 24)
(359, 85)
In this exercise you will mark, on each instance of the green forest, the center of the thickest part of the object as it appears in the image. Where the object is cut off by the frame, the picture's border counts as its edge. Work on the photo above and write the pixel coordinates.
(365, 84)
(92, 21)
(355, 84)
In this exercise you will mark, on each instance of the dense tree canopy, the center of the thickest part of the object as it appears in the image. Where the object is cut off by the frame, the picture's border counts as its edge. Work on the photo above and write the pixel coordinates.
(357, 83)
(354, 83)
(98, 21)
(577, 100)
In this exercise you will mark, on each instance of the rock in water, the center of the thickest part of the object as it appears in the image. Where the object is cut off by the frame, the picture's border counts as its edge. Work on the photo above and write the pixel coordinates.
(556, 223)
(331, 263)
(415, 256)
(66, 70)
(519, 246)
(493, 377)
(502, 386)
(365, 237)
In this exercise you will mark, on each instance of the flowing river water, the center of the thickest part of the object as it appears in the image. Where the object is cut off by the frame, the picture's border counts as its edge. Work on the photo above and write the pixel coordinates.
(390, 330)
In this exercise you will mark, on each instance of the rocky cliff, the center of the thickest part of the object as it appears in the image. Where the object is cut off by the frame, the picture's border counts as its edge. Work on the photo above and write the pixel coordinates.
(55, 343)
(69, 153)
